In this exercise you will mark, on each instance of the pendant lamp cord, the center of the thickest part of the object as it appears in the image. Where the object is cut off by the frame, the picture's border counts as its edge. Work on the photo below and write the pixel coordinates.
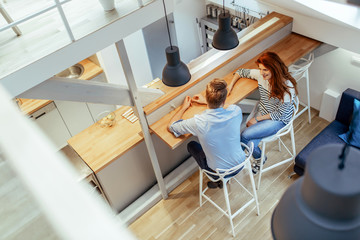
(344, 152)
(167, 25)
(224, 7)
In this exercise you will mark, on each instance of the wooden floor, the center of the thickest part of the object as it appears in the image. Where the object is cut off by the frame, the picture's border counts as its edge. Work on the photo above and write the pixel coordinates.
(180, 217)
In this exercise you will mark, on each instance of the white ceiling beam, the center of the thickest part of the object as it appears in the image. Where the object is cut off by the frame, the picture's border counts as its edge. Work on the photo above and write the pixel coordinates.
(67, 89)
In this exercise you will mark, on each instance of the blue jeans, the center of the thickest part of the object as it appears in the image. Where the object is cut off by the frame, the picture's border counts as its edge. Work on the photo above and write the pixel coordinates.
(258, 131)
(196, 151)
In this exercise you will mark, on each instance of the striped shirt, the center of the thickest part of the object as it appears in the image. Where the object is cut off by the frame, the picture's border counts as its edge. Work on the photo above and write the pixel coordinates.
(279, 110)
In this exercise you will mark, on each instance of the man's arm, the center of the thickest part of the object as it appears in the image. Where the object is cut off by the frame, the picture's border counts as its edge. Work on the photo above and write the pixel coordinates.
(198, 98)
(177, 116)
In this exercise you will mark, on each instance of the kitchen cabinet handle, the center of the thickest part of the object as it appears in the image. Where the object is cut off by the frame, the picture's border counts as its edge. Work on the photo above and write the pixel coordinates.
(40, 115)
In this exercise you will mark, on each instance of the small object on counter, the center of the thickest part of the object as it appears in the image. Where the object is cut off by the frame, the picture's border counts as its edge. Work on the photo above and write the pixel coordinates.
(106, 119)
(130, 116)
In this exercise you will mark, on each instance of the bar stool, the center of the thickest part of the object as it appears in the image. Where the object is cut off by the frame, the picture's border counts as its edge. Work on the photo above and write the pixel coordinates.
(223, 175)
(288, 128)
(299, 72)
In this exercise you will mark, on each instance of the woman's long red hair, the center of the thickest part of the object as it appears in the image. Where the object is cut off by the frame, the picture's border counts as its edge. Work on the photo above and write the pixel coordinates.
(279, 74)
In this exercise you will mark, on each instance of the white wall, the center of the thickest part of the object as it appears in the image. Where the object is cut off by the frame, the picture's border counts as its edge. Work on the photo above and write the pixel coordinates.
(110, 62)
(139, 60)
(334, 71)
(136, 50)
(188, 38)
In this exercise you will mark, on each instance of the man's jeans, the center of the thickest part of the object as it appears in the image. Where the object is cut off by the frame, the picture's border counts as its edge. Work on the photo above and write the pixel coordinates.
(196, 151)
(258, 131)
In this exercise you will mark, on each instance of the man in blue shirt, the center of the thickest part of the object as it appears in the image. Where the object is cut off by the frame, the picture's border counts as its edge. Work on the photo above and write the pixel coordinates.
(217, 129)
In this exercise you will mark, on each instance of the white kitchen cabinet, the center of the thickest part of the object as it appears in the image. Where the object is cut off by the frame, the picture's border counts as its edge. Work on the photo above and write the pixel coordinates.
(50, 121)
(99, 78)
(76, 115)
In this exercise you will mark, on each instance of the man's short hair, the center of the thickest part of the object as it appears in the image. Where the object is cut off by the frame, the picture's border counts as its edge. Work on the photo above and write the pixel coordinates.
(216, 92)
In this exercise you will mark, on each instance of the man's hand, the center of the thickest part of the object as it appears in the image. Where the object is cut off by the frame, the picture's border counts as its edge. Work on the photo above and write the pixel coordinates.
(178, 115)
(186, 103)
(198, 98)
(251, 122)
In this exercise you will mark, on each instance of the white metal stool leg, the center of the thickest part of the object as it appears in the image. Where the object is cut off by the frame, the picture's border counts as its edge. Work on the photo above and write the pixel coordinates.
(253, 187)
(293, 141)
(261, 163)
(226, 195)
(200, 185)
(308, 94)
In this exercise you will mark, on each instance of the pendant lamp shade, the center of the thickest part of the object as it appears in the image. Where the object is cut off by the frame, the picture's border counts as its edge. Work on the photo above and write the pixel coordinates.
(225, 37)
(325, 203)
(175, 72)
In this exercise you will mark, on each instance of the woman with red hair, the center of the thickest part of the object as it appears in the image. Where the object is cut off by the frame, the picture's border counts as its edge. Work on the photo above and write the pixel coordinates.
(276, 106)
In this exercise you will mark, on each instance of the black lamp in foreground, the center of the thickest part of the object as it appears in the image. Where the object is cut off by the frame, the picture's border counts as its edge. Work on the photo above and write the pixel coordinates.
(175, 72)
(325, 203)
(225, 37)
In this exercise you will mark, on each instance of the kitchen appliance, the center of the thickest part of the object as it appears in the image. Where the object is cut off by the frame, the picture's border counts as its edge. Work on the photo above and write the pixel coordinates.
(85, 172)
(209, 10)
(214, 12)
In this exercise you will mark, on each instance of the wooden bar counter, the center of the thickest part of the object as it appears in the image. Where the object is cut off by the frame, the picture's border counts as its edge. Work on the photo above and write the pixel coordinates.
(290, 49)
(98, 147)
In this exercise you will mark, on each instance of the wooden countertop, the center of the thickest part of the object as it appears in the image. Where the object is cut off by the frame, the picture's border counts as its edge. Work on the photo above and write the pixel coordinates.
(29, 106)
(99, 146)
(290, 49)
(247, 40)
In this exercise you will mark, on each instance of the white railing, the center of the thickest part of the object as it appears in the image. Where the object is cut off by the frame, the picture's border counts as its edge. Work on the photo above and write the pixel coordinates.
(57, 4)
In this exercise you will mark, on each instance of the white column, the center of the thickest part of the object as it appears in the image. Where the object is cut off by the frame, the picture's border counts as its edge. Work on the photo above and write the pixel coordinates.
(143, 122)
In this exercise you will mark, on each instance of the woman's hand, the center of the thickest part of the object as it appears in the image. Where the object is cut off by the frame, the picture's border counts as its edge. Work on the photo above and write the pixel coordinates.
(251, 122)
(233, 81)
(229, 88)
(198, 98)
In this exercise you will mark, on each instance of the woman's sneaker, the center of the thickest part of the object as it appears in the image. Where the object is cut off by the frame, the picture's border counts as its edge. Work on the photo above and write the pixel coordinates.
(256, 165)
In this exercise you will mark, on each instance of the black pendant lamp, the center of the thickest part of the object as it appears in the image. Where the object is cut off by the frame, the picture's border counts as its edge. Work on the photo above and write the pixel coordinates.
(325, 203)
(175, 72)
(225, 37)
